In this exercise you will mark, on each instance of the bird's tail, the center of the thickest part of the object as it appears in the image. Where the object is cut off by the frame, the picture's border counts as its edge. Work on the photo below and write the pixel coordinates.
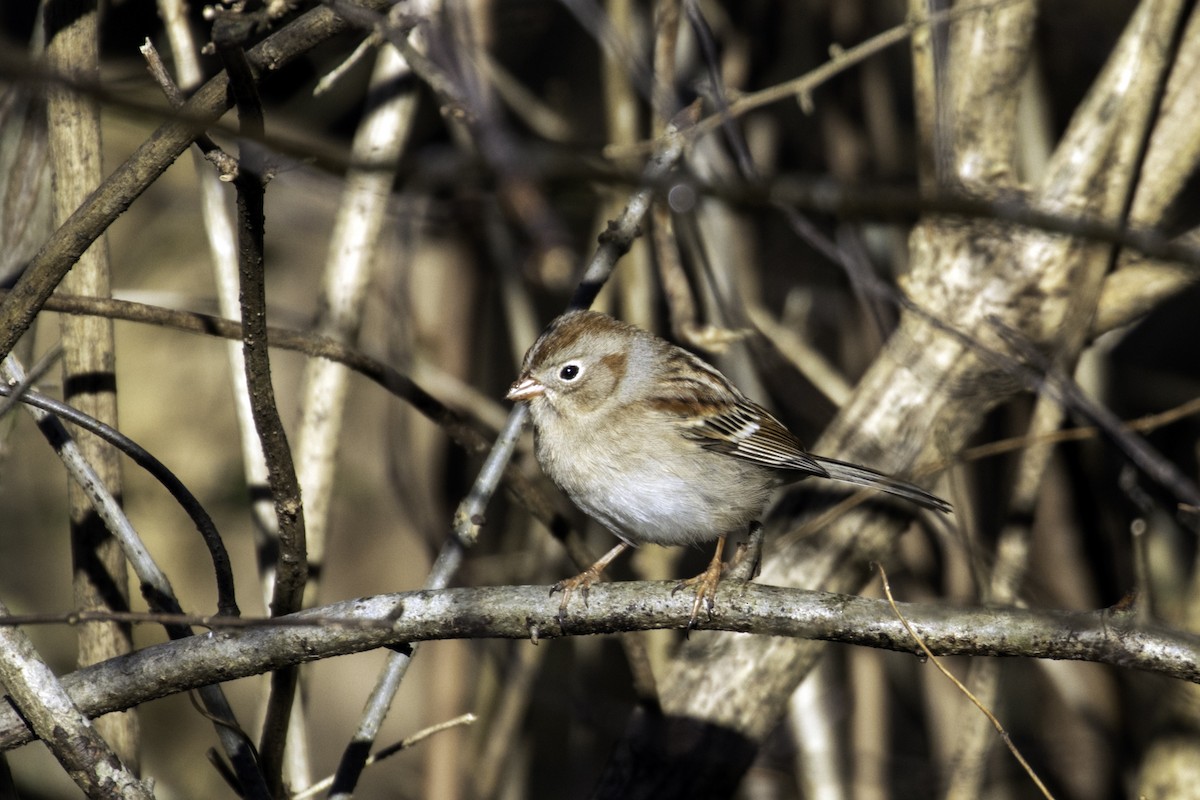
(852, 473)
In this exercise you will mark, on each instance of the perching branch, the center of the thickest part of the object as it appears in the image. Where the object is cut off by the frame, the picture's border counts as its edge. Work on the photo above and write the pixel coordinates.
(242, 647)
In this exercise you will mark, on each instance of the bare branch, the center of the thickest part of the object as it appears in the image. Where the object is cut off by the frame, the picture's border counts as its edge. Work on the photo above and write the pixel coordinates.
(238, 648)
(33, 689)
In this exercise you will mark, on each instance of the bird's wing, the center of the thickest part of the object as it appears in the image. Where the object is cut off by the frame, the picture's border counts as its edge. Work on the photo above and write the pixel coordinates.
(749, 432)
(740, 428)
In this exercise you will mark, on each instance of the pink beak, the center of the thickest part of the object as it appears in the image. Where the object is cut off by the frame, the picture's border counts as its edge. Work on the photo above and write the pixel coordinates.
(525, 388)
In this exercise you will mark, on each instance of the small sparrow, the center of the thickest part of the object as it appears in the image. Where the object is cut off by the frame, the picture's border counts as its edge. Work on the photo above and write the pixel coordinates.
(658, 445)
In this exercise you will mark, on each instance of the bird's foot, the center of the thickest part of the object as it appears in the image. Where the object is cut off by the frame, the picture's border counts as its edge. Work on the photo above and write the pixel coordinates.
(706, 589)
(583, 582)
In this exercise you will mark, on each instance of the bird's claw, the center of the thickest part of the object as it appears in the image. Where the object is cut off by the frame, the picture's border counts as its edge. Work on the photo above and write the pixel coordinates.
(583, 582)
(706, 590)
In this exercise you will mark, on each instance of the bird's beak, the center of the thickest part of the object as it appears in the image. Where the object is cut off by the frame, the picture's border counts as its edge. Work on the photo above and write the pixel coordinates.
(525, 388)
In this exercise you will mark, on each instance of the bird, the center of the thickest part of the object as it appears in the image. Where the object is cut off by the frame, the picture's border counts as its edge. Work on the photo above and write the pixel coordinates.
(659, 446)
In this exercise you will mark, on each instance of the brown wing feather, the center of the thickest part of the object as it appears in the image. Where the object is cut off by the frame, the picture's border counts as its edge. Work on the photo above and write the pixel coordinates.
(748, 431)
(743, 429)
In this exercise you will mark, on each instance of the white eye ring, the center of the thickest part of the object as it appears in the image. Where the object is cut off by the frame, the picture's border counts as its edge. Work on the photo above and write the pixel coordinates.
(570, 371)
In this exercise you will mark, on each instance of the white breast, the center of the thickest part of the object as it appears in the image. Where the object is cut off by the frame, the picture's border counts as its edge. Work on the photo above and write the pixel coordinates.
(651, 494)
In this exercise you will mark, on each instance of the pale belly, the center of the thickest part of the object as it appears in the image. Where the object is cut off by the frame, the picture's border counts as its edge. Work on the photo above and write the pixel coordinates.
(655, 497)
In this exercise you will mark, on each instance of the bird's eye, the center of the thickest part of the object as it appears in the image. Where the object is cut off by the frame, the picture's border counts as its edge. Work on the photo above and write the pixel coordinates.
(570, 372)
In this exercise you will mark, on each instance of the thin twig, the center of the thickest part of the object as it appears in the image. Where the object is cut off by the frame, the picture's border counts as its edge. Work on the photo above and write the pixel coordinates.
(14, 394)
(618, 237)
(1043, 377)
(220, 230)
(290, 570)
(937, 662)
(802, 87)
(353, 760)
(226, 164)
(391, 750)
(226, 596)
(155, 584)
(1144, 424)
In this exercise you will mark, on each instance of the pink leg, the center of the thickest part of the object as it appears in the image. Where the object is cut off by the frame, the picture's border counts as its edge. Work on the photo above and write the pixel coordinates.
(585, 579)
(706, 584)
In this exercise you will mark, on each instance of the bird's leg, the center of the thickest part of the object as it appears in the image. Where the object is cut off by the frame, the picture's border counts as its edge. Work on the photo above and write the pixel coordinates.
(585, 579)
(706, 584)
(748, 559)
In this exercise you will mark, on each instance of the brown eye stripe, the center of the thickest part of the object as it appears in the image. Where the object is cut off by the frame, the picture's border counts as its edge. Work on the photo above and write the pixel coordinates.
(616, 363)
